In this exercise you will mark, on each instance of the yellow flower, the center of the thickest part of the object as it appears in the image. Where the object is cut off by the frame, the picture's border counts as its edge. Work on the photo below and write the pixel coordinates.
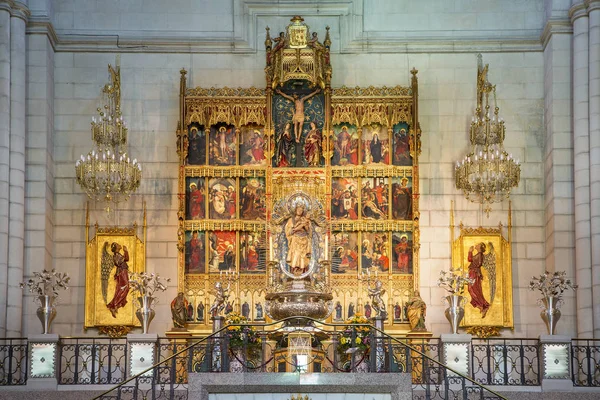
(358, 340)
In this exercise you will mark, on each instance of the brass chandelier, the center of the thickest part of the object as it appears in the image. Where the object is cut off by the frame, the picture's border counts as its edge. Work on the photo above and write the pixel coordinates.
(107, 173)
(488, 173)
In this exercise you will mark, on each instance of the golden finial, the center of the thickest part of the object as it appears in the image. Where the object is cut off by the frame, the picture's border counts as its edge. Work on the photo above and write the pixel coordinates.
(268, 41)
(327, 41)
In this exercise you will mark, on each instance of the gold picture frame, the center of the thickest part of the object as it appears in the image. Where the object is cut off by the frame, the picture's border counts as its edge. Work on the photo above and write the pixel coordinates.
(100, 282)
(485, 254)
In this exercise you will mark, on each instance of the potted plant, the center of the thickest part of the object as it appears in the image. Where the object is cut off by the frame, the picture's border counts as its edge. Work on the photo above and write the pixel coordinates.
(143, 286)
(551, 286)
(244, 342)
(46, 285)
(357, 327)
(454, 282)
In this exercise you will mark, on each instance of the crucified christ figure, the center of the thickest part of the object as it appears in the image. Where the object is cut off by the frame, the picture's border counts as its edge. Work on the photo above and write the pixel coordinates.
(298, 118)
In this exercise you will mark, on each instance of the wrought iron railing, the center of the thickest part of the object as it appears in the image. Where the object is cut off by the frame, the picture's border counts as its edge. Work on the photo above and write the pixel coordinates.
(585, 362)
(92, 361)
(498, 362)
(374, 352)
(505, 362)
(13, 361)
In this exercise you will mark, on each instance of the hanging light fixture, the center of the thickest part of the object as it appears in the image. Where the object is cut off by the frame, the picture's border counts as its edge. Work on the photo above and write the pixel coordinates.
(488, 173)
(107, 173)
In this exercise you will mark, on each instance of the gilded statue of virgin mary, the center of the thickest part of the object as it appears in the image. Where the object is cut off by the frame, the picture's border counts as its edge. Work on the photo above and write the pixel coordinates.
(298, 230)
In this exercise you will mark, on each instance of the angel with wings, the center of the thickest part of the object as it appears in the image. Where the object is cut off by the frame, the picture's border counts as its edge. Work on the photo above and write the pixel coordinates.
(488, 262)
(121, 276)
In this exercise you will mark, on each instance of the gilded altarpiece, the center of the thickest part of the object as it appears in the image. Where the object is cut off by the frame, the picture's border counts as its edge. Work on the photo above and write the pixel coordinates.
(355, 150)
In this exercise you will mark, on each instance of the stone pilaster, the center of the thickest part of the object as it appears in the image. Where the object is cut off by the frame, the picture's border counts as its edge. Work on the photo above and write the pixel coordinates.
(39, 172)
(559, 196)
(581, 160)
(16, 209)
(4, 159)
(594, 116)
(13, 16)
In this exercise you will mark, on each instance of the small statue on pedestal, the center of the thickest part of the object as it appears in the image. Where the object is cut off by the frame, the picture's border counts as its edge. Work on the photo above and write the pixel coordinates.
(416, 310)
(179, 307)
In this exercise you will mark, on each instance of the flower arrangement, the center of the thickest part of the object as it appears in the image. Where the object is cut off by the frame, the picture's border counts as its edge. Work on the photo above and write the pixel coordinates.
(47, 283)
(237, 334)
(145, 284)
(454, 282)
(552, 284)
(362, 338)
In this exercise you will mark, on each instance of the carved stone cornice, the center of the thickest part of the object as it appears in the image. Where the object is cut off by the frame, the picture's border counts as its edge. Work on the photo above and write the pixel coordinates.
(252, 13)
(592, 5)
(16, 9)
(555, 26)
(41, 25)
(578, 11)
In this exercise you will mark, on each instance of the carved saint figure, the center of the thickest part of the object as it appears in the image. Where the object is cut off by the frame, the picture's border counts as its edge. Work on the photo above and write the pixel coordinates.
(298, 234)
(338, 311)
(200, 312)
(376, 293)
(298, 118)
(179, 307)
(121, 278)
(221, 296)
(416, 310)
(259, 311)
(350, 310)
(190, 312)
(397, 312)
(246, 309)
(228, 308)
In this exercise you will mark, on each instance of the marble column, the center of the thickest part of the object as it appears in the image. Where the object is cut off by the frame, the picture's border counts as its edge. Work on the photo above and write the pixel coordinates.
(581, 160)
(594, 124)
(17, 172)
(4, 158)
